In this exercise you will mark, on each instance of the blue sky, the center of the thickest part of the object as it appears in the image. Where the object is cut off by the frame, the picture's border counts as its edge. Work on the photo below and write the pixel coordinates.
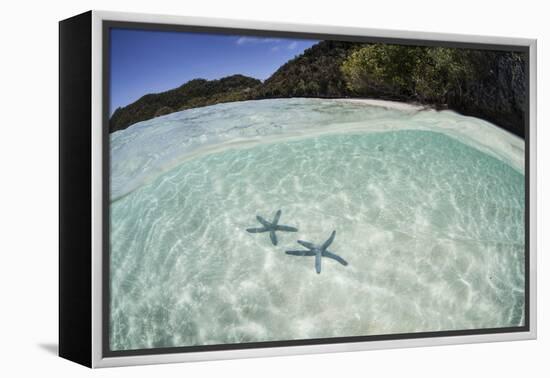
(145, 61)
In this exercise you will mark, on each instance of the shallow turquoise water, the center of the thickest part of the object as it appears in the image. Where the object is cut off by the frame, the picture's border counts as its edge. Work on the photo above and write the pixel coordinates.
(432, 228)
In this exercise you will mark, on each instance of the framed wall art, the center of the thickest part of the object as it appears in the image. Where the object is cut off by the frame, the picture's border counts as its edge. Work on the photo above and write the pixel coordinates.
(235, 189)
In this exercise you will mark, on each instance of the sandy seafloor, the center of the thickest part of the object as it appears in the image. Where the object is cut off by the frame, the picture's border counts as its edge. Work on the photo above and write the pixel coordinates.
(428, 209)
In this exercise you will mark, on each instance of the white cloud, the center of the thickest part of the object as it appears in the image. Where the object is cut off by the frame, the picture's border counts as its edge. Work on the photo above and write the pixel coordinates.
(255, 40)
(292, 45)
(275, 48)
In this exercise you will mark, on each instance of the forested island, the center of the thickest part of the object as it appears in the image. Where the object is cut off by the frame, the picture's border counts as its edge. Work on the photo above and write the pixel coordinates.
(483, 83)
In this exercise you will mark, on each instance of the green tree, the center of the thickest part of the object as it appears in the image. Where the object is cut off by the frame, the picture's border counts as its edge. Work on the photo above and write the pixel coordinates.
(381, 69)
(440, 71)
(425, 74)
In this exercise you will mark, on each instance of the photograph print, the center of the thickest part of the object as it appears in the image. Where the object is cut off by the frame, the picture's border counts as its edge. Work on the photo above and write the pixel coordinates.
(287, 189)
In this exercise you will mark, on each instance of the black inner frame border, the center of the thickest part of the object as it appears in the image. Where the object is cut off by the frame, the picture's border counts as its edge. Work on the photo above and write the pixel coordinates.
(107, 25)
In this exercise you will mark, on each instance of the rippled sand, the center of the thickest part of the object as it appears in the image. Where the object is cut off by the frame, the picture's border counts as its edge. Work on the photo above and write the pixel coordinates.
(432, 226)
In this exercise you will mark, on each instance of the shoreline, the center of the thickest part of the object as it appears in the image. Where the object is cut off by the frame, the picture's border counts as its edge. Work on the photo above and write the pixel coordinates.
(472, 131)
(387, 104)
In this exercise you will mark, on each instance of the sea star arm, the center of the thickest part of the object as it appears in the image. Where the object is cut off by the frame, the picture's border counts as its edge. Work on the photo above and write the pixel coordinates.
(306, 244)
(329, 241)
(256, 230)
(300, 253)
(331, 255)
(273, 237)
(277, 216)
(286, 228)
(263, 221)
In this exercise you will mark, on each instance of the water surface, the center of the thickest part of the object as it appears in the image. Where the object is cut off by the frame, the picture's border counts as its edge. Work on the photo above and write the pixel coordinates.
(429, 217)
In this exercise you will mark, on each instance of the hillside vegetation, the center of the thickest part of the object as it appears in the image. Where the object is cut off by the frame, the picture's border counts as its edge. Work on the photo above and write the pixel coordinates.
(315, 73)
(485, 84)
(194, 93)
